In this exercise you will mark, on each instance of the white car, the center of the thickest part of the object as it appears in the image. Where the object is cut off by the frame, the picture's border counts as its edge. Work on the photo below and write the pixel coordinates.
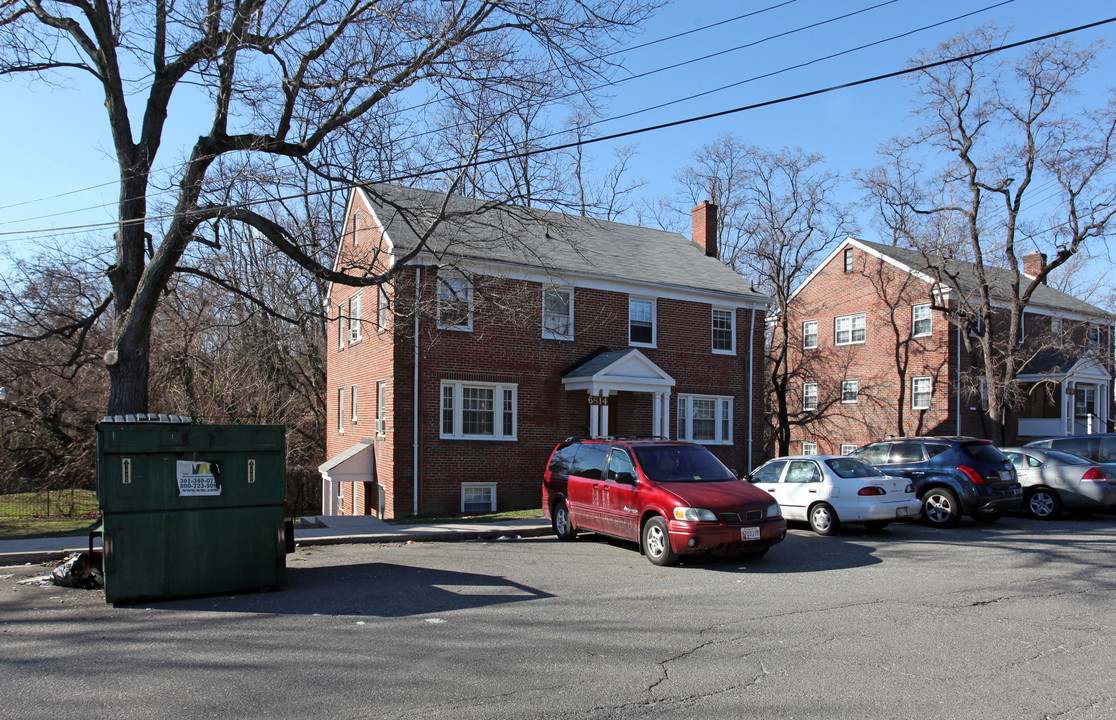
(827, 490)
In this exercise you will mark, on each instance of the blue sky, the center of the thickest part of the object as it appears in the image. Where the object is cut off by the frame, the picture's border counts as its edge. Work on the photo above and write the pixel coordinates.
(61, 147)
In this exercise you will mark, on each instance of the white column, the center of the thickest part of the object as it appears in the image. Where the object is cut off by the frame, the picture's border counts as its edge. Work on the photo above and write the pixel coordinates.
(666, 415)
(657, 414)
(593, 417)
(604, 413)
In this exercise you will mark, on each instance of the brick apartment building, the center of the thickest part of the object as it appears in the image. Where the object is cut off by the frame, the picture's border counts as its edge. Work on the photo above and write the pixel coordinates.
(875, 360)
(511, 329)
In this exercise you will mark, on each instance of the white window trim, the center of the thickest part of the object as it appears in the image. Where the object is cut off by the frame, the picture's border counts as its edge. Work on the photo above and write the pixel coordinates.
(498, 390)
(847, 261)
(341, 410)
(929, 395)
(654, 321)
(353, 401)
(847, 448)
(356, 308)
(381, 407)
(914, 320)
(478, 485)
(856, 391)
(341, 325)
(809, 448)
(722, 411)
(807, 386)
(805, 335)
(449, 280)
(548, 333)
(732, 330)
(852, 328)
(384, 304)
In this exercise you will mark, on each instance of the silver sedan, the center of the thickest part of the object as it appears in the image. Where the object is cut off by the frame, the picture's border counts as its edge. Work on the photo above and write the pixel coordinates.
(1054, 481)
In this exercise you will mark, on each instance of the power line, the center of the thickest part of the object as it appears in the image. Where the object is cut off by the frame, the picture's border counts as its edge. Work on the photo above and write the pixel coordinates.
(614, 136)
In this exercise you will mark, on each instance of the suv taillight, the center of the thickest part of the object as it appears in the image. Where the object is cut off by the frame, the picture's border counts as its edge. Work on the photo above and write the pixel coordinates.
(973, 475)
(1094, 475)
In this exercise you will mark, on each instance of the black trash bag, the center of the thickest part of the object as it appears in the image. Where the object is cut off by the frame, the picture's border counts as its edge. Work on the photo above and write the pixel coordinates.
(77, 572)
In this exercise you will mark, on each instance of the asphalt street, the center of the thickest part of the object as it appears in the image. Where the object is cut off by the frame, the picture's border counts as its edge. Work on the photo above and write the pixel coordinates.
(1011, 620)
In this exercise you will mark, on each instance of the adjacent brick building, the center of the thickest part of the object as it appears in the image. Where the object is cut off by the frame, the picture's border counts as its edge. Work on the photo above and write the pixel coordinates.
(511, 329)
(874, 359)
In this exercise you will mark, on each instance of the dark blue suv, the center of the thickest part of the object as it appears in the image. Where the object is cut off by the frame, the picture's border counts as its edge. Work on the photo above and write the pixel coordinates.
(953, 476)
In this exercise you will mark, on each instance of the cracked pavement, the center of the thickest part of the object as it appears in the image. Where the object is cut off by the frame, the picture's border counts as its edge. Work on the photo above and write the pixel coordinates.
(1011, 620)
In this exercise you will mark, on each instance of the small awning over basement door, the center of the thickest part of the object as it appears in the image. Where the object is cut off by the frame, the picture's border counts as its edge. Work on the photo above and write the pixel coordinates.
(357, 464)
(614, 371)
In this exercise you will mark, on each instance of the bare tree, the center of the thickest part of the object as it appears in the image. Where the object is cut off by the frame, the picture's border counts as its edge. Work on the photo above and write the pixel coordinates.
(282, 81)
(1006, 162)
(777, 216)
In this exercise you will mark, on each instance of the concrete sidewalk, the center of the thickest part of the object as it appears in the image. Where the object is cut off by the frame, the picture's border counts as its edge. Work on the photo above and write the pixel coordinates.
(335, 531)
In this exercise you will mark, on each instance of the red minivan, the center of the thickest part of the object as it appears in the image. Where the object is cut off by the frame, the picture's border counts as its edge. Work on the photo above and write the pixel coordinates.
(673, 498)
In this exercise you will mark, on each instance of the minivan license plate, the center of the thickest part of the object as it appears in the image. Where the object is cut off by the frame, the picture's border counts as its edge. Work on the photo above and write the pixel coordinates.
(751, 533)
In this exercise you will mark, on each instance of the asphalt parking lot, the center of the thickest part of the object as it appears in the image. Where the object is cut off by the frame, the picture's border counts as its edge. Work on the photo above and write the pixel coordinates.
(1010, 620)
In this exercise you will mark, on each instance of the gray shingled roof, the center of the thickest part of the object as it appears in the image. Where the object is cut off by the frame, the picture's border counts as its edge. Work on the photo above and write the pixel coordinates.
(999, 280)
(562, 244)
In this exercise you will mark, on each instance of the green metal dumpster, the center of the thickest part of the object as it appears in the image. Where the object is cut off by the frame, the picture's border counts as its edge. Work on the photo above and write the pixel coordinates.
(190, 509)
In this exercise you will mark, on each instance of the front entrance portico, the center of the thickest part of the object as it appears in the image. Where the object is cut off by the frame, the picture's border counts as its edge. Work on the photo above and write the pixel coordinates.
(607, 374)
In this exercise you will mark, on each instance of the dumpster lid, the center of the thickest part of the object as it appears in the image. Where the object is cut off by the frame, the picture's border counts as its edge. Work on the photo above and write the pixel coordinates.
(148, 418)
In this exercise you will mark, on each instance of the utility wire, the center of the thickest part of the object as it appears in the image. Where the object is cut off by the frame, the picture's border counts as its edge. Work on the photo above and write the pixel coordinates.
(614, 136)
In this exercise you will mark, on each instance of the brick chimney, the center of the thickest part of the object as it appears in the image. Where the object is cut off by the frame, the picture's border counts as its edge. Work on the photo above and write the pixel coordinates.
(1032, 262)
(705, 227)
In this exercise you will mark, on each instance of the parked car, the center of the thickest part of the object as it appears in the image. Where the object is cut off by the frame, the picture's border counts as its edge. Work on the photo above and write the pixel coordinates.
(953, 476)
(1099, 447)
(828, 490)
(1054, 481)
(673, 498)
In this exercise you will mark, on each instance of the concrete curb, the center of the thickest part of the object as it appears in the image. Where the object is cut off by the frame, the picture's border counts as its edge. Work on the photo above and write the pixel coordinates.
(407, 534)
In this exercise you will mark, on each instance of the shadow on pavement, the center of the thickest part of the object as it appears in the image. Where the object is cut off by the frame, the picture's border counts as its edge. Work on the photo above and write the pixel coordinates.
(373, 589)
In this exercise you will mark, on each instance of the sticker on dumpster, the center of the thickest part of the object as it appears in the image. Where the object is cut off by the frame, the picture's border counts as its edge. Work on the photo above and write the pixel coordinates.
(197, 478)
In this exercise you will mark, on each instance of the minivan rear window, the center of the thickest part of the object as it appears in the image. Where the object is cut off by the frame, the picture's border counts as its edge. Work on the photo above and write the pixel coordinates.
(680, 463)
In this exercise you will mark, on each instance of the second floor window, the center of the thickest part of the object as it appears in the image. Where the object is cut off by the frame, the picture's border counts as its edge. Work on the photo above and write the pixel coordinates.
(1094, 336)
(920, 393)
(455, 302)
(723, 331)
(641, 321)
(383, 307)
(850, 391)
(810, 396)
(921, 320)
(849, 329)
(809, 334)
(557, 313)
(381, 407)
(355, 310)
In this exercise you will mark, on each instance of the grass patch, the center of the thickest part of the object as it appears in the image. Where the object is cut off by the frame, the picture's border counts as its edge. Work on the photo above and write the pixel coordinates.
(26, 528)
(483, 518)
(80, 504)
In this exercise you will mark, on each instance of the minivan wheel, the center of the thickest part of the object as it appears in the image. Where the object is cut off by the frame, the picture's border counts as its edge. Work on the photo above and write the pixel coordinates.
(563, 526)
(823, 520)
(656, 543)
(1043, 504)
(940, 508)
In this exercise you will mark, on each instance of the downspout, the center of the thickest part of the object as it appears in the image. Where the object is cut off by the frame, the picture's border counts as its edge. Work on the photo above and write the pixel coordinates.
(417, 408)
(958, 364)
(751, 384)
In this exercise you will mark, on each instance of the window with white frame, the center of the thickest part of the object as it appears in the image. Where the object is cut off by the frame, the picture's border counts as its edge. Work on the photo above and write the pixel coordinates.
(921, 390)
(478, 497)
(850, 390)
(809, 334)
(383, 306)
(478, 411)
(848, 260)
(705, 419)
(358, 224)
(381, 407)
(1094, 334)
(557, 323)
(355, 324)
(724, 331)
(353, 402)
(848, 448)
(641, 321)
(921, 320)
(809, 448)
(810, 396)
(455, 302)
(341, 410)
(849, 329)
